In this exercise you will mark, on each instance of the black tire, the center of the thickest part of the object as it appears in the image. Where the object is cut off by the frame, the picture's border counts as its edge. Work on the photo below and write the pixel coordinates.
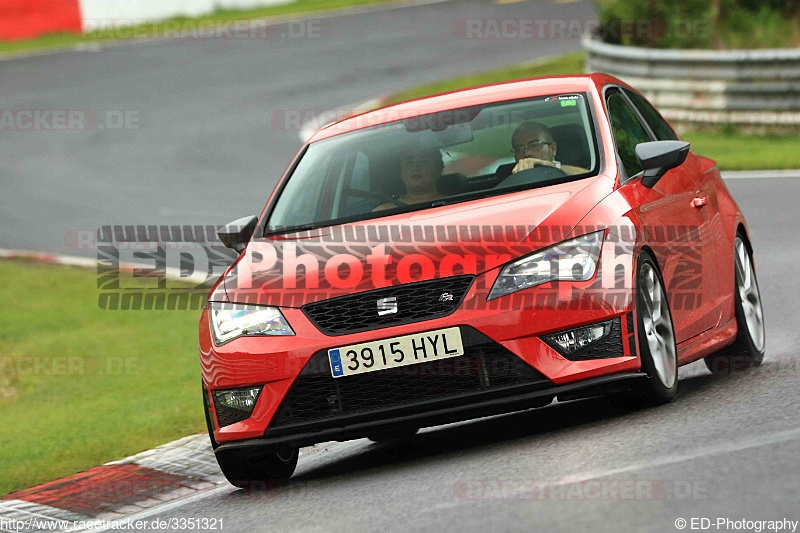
(743, 353)
(653, 390)
(398, 435)
(255, 470)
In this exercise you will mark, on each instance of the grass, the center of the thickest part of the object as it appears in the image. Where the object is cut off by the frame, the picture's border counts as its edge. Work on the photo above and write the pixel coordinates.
(731, 150)
(80, 386)
(185, 25)
(736, 151)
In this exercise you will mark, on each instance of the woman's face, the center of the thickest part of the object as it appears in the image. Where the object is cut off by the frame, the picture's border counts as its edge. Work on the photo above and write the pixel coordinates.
(419, 173)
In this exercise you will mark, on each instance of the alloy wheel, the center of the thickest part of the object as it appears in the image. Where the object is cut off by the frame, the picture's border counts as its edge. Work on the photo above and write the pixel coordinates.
(749, 295)
(658, 326)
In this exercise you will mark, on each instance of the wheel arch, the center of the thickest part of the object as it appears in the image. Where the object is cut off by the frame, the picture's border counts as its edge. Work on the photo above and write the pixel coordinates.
(741, 228)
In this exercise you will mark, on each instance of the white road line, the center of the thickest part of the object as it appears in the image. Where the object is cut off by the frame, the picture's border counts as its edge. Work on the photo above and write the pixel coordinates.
(766, 440)
(760, 174)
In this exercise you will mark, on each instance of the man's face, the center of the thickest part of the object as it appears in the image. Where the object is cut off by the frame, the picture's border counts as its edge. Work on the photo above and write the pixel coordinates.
(533, 143)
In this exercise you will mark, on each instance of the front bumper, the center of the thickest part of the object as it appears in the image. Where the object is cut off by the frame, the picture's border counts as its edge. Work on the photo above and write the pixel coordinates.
(513, 325)
(433, 413)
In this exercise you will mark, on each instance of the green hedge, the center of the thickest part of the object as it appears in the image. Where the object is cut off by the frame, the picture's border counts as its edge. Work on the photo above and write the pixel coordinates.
(720, 24)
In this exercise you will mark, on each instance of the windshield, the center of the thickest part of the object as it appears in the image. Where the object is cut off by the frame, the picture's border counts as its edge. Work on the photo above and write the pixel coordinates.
(437, 159)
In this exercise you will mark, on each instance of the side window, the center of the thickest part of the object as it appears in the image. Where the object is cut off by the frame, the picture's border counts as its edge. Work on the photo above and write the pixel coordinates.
(628, 132)
(656, 122)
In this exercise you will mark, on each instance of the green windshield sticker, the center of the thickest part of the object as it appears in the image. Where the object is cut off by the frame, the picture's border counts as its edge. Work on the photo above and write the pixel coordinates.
(567, 103)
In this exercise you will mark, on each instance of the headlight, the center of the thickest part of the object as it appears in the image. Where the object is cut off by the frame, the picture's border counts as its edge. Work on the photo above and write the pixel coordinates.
(572, 260)
(229, 321)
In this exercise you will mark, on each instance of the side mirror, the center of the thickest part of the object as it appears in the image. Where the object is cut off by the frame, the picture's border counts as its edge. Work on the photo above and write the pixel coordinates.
(237, 234)
(659, 156)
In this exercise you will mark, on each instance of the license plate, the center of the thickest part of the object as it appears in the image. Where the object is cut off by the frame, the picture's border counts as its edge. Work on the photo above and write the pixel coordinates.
(395, 352)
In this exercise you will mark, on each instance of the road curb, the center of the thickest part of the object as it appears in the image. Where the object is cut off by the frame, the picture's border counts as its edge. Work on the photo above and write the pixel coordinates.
(114, 491)
(111, 496)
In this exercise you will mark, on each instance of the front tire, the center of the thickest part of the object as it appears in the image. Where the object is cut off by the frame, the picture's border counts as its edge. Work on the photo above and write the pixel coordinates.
(747, 351)
(252, 471)
(657, 347)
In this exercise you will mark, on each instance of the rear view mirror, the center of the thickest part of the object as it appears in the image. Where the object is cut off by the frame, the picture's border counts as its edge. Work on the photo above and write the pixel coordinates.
(451, 136)
(658, 157)
(237, 234)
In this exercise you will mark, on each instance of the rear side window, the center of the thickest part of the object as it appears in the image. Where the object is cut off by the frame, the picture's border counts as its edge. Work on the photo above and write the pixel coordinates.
(656, 122)
(628, 132)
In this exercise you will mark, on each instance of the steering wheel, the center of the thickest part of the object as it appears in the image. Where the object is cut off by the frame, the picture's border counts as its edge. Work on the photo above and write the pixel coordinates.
(532, 175)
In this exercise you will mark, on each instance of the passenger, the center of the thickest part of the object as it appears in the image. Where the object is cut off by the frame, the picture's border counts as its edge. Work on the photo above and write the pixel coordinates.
(419, 171)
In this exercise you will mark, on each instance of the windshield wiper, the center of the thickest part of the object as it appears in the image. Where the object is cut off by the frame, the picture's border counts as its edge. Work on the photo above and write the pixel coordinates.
(291, 229)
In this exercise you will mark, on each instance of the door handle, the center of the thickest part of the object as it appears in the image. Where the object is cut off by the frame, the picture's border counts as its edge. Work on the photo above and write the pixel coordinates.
(699, 202)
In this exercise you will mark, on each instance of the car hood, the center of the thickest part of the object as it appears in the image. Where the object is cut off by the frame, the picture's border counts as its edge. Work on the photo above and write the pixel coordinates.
(467, 238)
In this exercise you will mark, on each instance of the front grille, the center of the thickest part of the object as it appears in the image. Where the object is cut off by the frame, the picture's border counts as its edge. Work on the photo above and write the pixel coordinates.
(485, 365)
(416, 302)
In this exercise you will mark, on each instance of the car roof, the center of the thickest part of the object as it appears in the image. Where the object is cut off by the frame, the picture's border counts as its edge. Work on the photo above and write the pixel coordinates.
(496, 92)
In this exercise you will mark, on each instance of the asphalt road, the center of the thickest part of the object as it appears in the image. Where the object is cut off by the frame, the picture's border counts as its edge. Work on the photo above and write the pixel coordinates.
(206, 150)
(727, 447)
(204, 137)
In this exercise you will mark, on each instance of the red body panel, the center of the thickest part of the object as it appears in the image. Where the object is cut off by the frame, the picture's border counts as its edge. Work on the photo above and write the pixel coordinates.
(693, 247)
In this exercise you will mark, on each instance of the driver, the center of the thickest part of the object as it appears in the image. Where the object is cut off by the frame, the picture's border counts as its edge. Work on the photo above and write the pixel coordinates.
(419, 171)
(533, 146)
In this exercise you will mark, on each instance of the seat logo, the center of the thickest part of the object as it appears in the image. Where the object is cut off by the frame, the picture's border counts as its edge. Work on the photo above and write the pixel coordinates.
(387, 306)
(446, 297)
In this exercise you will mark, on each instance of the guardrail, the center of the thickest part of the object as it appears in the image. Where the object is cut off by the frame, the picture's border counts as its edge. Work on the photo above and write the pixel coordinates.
(749, 89)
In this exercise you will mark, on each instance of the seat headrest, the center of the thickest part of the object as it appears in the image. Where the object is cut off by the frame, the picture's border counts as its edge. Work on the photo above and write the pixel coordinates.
(454, 183)
(572, 146)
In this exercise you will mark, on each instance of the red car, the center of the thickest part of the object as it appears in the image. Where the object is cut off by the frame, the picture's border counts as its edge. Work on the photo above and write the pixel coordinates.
(468, 254)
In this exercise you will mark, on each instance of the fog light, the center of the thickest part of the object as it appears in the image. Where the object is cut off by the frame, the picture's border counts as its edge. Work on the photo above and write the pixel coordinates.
(568, 342)
(241, 399)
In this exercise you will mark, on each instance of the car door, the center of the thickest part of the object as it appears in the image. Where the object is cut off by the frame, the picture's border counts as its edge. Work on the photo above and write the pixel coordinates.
(714, 249)
(672, 223)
